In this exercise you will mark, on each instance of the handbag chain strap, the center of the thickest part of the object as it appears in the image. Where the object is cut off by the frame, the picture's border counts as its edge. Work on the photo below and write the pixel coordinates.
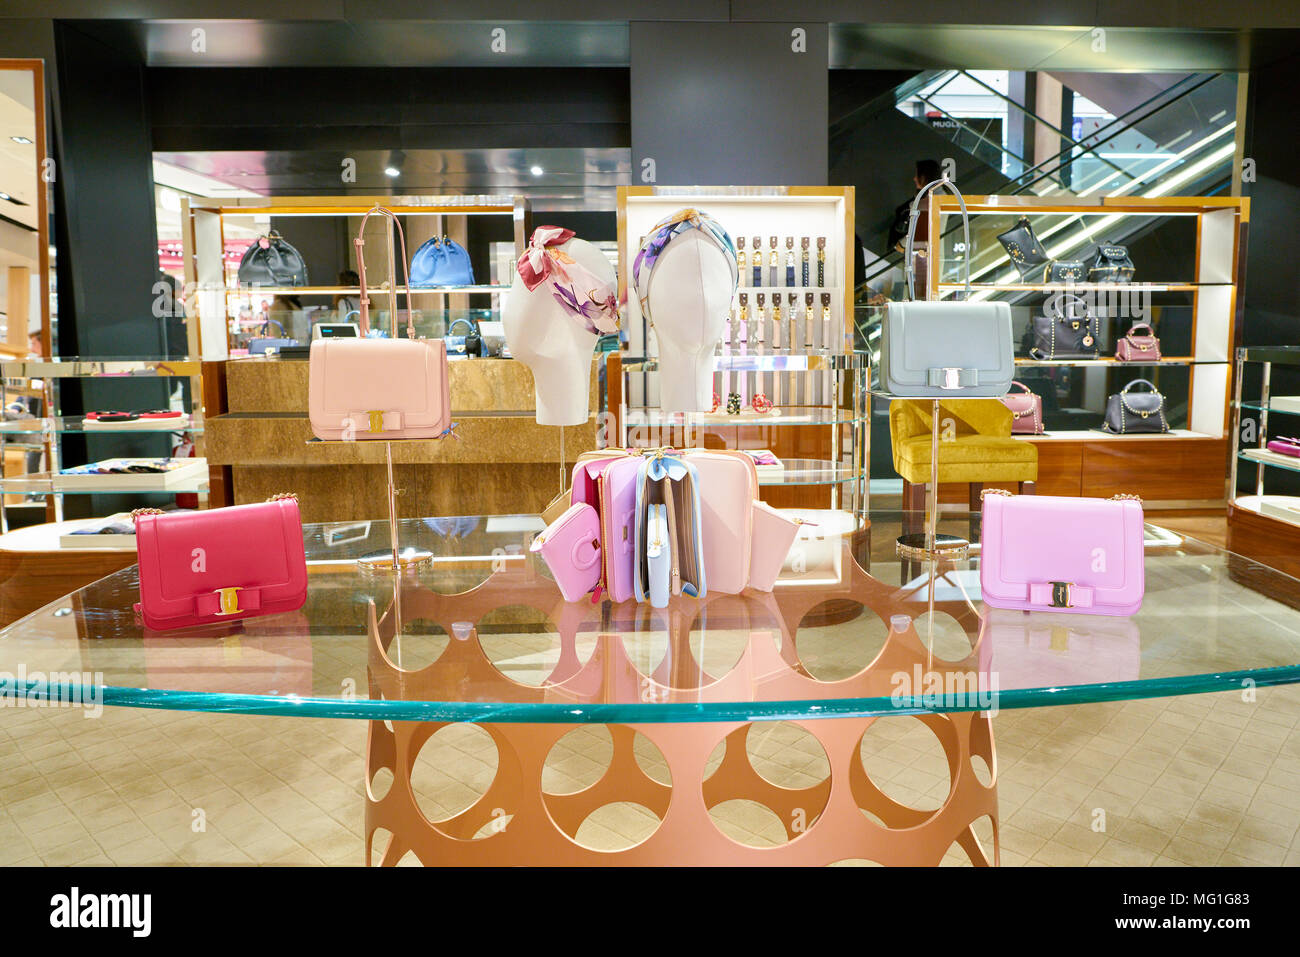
(911, 233)
(360, 243)
(1117, 497)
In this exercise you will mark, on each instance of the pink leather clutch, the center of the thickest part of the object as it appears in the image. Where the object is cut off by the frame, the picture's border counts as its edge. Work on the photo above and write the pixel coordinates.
(774, 533)
(1026, 410)
(570, 546)
(1285, 446)
(728, 486)
(365, 389)
(1082, 555)
(220, 565)
(1138, 348)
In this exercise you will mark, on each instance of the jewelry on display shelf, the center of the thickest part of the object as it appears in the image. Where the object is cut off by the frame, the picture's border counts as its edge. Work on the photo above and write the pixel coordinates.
(761, 403)
(733, 403)
(773, 262)
(803, 245)
(789, 260)
(758, 261)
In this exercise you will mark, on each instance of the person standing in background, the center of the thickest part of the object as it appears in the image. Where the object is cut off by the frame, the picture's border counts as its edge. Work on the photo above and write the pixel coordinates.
(927, 171)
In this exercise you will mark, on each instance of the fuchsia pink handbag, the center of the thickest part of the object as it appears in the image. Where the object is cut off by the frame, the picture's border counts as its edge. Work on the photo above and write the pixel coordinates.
(220, 564)
(1044, 552)
(1138, 348)
(379, 388)
(1026, 410)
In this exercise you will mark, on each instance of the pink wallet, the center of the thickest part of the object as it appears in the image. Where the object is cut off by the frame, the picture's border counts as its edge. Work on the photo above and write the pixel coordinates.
(220, 564)
(1283, 445)
(774, 533)
(570, 546)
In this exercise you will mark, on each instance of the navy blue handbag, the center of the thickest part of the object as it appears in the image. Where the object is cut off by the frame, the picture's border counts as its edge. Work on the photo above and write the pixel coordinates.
(441, 262)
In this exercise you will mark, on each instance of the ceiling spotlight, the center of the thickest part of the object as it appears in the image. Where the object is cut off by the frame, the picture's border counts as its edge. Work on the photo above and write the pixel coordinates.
(392, 171)
(536, 170)
(21, 139)
(396, 163)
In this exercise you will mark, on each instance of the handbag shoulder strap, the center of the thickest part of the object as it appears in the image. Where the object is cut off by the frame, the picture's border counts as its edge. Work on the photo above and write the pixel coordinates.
(1146, 382)
(360, 243)
(915, 214)
(473, 327)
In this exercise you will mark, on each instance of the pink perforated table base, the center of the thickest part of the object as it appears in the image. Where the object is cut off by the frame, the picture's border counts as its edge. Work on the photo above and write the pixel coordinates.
(844, 817)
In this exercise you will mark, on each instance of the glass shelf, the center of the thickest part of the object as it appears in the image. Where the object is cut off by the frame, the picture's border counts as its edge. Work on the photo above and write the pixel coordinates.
(1280, 355)
(811, 362)
(1115, 363)
(40, 483)
(1078, 286)
(786, 415)
(78, 367)
(1274, 459)
(1270, 409)
(373, 292)
(809, 472)
(76, 423)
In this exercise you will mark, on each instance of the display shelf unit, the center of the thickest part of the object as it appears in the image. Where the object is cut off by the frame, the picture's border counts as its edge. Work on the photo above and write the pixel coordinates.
(222, 302)
(815, 380)
(18, 376)
(1193, 306)
(1264, 524)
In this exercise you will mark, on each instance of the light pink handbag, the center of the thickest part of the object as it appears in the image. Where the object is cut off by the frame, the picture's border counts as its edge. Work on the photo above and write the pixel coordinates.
(1026, 410)
(369, 389)
(221, 564)
(570, 546)
(728, 484)
(773, 534)
(1082, 555)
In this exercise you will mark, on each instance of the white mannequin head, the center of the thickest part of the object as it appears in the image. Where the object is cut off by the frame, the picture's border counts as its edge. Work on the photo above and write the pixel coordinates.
(688, 295)
(552, 343)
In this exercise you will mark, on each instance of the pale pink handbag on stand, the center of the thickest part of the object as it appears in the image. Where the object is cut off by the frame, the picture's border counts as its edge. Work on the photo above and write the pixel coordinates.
(376, 389)
(1082, 555)
(220, 564)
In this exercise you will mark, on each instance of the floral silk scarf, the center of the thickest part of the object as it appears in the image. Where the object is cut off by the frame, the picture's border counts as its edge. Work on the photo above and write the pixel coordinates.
(664, 232)
(591, 302)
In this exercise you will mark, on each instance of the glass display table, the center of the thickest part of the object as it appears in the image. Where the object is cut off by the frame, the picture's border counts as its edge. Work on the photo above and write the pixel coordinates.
(480, 634)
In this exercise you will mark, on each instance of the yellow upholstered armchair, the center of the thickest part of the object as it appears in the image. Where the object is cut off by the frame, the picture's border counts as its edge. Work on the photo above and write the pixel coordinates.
(975, 448)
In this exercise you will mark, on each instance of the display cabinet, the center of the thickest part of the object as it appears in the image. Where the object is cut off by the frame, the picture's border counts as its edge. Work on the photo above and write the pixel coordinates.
(1264, 485)
(1187, 253)
(45, 434)
(786, 356)
(230, 313)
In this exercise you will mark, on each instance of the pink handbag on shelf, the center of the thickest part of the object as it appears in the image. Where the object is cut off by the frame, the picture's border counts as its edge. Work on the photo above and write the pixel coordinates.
(728, 484)
(570, 546)
(221, 564)
(1283, 445)
(1138, 348)
(773, 534)
(1043, 552)
(1026, 410)
(618, 525)
(368, 389)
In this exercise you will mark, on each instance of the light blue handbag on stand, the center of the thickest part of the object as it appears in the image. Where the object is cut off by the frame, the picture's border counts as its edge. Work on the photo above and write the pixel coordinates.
(441, 262)
(671, 483)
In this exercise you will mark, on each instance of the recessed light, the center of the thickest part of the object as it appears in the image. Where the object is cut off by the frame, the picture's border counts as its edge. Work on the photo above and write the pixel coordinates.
(6, 196)
(21, 139)
(392, 171)
(536, 170)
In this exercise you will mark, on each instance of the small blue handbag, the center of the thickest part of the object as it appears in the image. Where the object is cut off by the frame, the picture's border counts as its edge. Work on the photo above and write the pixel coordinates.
(441, 262)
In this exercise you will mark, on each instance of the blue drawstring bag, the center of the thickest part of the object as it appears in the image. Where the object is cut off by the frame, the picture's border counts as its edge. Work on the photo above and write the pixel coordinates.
(441, 262)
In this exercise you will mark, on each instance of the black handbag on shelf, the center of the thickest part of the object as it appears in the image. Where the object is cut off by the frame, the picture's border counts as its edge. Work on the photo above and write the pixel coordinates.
(1066, 330)
(1136, 413)
(271, 261)
(1111, 264)
(466, 345)
(1026, 252)
(1066, 270)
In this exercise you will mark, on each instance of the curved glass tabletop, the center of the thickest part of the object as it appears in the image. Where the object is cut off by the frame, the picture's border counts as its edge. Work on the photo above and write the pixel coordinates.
(481, 633)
